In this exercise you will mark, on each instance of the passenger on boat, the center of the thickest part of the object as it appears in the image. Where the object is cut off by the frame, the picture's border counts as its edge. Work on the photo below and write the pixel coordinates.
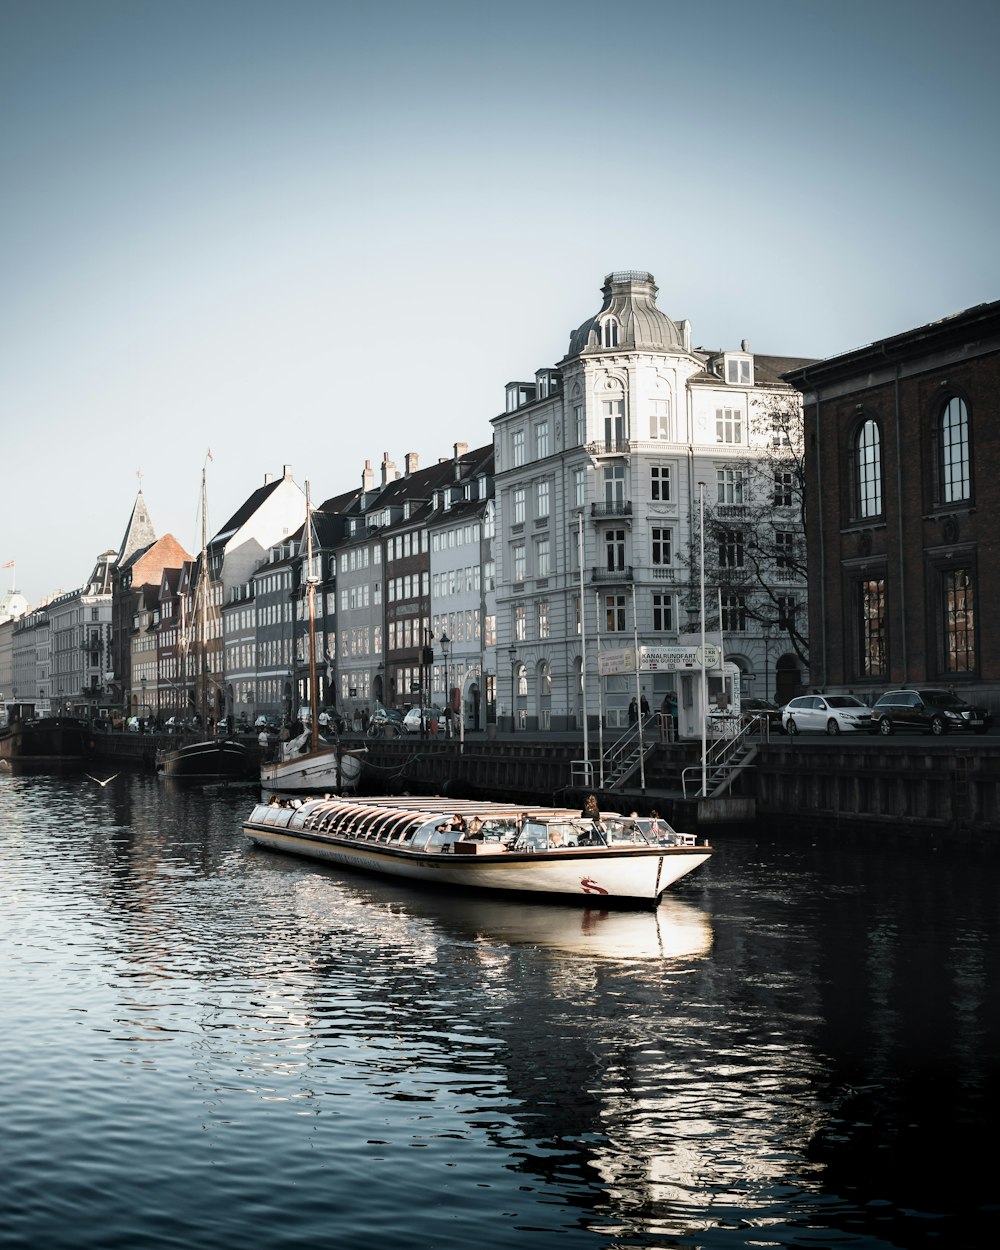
(475, 830)
(591, 810)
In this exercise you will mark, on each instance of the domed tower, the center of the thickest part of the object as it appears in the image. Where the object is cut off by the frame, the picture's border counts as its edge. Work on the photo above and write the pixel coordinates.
(628, 320)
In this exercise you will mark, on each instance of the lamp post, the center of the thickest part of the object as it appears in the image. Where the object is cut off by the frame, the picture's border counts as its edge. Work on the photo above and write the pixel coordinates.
(445, 651)
(766, 631)
(142, 713)
(512, 652)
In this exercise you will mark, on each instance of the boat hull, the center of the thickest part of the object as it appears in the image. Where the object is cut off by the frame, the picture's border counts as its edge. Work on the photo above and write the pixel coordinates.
(50, 738)
(315, 772)
(630, 876)
(214, 761)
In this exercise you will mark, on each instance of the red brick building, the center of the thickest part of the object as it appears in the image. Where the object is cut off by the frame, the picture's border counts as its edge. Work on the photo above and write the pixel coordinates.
(902, 466)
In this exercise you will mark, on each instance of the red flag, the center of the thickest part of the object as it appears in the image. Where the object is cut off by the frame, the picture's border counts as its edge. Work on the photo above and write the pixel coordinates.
(9, 564)
(210, 453)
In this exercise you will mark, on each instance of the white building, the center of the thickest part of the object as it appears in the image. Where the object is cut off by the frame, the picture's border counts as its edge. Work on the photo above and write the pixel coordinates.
(602, 457)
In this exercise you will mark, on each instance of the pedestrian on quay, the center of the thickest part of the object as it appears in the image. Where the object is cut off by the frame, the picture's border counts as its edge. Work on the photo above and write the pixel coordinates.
(633, 711)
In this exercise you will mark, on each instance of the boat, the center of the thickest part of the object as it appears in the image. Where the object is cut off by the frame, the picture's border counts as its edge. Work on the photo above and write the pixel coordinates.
(309, 763)
(30, 738)
(221, 759)
(478, 846)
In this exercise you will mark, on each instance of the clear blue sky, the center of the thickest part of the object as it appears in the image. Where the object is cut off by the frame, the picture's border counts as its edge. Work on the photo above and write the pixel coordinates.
(309, 233)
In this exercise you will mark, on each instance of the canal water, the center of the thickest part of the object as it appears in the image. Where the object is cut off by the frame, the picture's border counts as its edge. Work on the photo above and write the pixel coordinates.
(209, 1045)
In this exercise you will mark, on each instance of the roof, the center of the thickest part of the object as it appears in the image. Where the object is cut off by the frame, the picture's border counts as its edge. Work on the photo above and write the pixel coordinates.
(629, 297)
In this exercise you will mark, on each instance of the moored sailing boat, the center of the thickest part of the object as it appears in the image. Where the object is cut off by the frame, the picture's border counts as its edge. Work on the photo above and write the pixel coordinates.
(308, 763)
(211, 759)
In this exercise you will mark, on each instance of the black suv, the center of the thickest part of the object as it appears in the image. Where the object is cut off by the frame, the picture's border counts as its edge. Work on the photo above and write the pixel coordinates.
(935, 711)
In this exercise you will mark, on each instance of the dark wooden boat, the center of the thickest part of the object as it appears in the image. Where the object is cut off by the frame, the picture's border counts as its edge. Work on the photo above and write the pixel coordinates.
(26, 737)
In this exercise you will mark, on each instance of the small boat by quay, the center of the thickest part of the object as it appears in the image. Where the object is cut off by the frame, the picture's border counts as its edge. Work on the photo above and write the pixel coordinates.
(616, 860)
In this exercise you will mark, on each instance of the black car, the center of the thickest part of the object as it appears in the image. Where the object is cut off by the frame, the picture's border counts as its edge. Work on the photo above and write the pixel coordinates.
(933, 711)
(762, 710)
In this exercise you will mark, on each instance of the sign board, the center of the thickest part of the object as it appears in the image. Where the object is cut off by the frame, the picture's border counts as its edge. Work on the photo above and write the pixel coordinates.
(670, 659)
(611, 663)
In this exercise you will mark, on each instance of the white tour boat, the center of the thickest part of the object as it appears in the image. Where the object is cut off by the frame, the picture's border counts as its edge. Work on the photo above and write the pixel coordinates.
(485, 846)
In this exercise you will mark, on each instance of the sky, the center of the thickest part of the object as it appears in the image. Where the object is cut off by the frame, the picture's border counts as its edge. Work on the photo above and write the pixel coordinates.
(311, 233)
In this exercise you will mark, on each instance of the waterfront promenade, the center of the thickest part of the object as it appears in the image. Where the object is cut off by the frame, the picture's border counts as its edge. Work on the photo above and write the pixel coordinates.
(905, 784)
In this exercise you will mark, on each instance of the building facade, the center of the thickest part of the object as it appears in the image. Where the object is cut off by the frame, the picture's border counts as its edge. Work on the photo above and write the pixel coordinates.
(903, 489)
(603, 464)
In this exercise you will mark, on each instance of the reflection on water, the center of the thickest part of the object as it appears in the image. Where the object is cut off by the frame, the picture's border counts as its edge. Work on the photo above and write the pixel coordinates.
(212, 1045)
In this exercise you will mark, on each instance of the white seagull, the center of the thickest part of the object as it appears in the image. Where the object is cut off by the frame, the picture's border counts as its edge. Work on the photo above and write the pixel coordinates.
(99, 781)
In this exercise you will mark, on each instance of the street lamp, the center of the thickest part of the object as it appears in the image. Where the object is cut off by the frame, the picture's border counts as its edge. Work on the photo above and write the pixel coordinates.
(445, 651)
(512, 653)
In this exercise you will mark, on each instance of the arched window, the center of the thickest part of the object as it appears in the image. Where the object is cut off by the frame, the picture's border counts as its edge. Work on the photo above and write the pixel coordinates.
(868, 467)
(609, 332)
(953, 453)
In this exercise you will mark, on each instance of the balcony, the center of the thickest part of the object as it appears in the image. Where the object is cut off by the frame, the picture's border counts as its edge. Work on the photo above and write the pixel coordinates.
(609, 447)
(604, 576)
(617, 508)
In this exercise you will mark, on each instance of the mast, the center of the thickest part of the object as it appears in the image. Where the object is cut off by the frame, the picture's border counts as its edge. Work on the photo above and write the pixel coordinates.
(311, 580)
(202, 598)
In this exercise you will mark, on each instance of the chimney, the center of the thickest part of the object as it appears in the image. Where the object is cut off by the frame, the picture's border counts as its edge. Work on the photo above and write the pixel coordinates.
(286, 471)
(461, 449)
(388, 469)
(268, 479)
(412, 463)
(368, 477)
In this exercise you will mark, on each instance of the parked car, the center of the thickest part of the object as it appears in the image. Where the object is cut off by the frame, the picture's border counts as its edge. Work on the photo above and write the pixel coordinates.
(422, 717)
(827, 713)
(933, 711)
(762, 710)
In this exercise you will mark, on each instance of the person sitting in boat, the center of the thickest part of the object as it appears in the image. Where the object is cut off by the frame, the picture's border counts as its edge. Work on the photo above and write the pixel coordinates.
(475, 830)
(458, 824)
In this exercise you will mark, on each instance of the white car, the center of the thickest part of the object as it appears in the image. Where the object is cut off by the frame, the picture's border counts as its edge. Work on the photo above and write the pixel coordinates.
(418, 717)
(826, 714)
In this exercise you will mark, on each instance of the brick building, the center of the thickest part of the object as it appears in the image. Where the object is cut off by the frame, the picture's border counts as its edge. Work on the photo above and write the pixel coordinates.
(902, 459)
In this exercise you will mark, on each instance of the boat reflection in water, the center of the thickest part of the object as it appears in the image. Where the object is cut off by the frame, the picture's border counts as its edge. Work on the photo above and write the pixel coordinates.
(674, 930)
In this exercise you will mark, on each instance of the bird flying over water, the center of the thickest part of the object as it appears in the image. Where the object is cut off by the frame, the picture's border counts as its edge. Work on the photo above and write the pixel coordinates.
(99, 781)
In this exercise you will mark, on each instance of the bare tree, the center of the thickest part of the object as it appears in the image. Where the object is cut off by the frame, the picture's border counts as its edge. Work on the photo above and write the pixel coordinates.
(755, 529)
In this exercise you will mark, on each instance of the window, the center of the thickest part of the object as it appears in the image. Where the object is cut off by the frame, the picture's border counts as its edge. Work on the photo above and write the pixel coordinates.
(614, 614)
(517, 562)
(659, 483)
(871, 627)
(661, 545)
(663, 612)
(542, 499)
(614, 485)
(731, 549)
(543, 618)
(738, 372)
(734, 614)
(543, 559)
(728, 425)
(614, 549)
(541, 440)
(517, 448)
(580, 422)
(784, 547)
(729, 485)
(609, 332)
(659, 418)
(783, 486)
(868, 464)
(959, 622)
(579, 488)
(614, 423)
(788, 607)
(954, 452)
(520, 626)
(517, 505)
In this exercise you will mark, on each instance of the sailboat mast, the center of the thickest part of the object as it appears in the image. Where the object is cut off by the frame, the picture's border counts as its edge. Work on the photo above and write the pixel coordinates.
(311, 580)
(203, 606)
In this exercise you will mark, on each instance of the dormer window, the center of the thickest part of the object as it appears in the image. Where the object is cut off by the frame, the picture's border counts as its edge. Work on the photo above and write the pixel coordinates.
(609, 332)
(739, 371)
